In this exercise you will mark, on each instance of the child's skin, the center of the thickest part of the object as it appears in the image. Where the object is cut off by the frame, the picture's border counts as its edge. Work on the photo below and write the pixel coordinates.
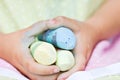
(14, 49)
(104, 24)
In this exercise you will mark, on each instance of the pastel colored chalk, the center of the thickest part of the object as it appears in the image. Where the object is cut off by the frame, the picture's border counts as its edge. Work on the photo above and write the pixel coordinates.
(61, 37)
(36, 39)
(43, 52)
(65, 60)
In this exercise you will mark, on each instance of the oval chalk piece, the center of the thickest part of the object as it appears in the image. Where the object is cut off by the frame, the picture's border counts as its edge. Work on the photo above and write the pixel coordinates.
(60, 37)
(65, 60)
(43, 52)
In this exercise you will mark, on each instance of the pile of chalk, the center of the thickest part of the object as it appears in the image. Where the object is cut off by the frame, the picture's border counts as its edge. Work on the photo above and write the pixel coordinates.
(54, 47)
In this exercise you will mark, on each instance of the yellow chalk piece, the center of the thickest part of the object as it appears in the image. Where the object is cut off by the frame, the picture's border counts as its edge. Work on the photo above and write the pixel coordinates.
(43, 52)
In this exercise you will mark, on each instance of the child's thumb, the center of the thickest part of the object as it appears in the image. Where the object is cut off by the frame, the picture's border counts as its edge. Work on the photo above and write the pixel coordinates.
(36, 28)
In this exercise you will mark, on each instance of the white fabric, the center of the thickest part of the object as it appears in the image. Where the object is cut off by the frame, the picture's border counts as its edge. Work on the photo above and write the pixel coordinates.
(113, 69)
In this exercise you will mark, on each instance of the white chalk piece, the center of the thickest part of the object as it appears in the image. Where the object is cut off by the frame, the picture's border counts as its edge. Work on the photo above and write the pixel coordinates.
(65, 60)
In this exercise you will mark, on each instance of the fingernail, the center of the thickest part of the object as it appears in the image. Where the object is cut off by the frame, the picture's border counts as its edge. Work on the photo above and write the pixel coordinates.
(56, 70)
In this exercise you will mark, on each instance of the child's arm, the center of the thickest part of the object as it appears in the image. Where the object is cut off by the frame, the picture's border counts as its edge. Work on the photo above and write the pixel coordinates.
(104, 24)
(14, 49)
(107, 19)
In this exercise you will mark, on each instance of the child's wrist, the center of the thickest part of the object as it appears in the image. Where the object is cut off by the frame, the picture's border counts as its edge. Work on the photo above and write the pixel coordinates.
(1, 37)
(1, 43)
(100, 26)
(93, 32)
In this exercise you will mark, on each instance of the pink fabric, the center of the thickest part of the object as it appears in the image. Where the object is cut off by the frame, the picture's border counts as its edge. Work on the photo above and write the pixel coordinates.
(6, 65)
(105, 53)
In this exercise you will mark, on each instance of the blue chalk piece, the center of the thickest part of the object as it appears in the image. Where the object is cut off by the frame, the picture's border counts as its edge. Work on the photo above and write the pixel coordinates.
(61, 37)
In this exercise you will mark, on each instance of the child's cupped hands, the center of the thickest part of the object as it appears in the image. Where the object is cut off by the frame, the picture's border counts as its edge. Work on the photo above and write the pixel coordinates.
(15, 49)
(87, 37)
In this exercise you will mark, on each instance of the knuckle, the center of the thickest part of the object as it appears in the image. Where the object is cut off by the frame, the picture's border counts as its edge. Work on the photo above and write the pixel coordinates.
(61, 18)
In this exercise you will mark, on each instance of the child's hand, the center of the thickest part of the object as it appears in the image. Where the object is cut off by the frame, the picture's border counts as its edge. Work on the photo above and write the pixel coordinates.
(15, 50)
(87, 37)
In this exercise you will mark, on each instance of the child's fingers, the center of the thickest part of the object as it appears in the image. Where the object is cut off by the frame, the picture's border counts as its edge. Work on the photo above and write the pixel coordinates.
(36, 28)
(39, 77)
(33, 67)
(33, 76)
(42, 26)
(80, 65)
(82, 53)
(36, 68)
(64, 21)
